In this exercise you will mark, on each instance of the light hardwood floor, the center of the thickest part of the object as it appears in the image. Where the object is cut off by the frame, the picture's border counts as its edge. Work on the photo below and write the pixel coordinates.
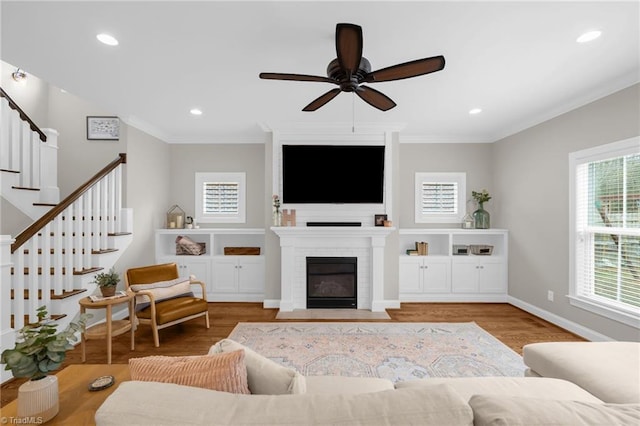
(514, 327)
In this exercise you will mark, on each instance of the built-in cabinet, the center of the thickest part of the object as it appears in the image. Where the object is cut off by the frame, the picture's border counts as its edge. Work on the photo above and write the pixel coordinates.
(228, 278)
(450, 272)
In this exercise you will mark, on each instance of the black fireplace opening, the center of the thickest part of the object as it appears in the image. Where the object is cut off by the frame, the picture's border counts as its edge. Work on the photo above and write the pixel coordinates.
(332, 282)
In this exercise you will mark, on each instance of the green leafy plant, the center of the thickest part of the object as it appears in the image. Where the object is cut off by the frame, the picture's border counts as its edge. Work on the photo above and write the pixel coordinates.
(481, 197)
(107, 279)
(39, 349)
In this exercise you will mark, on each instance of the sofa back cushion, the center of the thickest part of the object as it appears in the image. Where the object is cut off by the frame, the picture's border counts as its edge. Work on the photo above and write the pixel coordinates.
(265, 377)
(223, 372)
(142, 403)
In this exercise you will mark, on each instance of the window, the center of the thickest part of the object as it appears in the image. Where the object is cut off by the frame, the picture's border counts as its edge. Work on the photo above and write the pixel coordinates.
(440, 197)
(605, 231)
(220, 197)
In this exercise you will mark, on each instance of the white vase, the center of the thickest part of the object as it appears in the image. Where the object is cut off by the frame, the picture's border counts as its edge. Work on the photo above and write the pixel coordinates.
(38, 399)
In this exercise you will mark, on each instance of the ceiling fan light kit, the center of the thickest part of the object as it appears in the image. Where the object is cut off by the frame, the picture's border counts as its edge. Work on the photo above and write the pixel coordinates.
(350, 70)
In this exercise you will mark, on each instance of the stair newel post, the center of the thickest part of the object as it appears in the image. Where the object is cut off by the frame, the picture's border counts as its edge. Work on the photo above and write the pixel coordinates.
(118, 199)
(5, 141)
(58, 257)
(32, 278)
(45, 280)
(25, 155)
(34, 145)
(104, 230)
(49, 191)
(95, 212)
(18, 288)
(76, 219)
(7, 334)
(111, 202)
(86, 230)
(68, 248)
(15, 132)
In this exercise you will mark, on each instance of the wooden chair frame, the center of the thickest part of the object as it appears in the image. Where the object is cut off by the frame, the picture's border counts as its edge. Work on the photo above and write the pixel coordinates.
(153, 320)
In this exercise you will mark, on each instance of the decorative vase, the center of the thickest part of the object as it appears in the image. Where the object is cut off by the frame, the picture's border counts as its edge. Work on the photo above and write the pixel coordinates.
(108, 291)
(481, 217)
(277, 217)
(38, 399)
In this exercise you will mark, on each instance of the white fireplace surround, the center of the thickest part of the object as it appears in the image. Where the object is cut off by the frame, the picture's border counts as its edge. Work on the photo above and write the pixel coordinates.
(367, 244)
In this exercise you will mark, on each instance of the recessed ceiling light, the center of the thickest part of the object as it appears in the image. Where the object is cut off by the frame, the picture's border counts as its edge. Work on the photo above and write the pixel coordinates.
(589, 36)
(475, 111)
(107, 39)
(196, 111)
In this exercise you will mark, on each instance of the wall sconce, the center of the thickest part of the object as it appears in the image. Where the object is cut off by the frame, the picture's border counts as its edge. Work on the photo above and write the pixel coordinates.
(19, 75)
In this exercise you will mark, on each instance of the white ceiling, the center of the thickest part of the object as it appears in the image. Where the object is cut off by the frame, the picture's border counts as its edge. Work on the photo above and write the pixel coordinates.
(518, 61)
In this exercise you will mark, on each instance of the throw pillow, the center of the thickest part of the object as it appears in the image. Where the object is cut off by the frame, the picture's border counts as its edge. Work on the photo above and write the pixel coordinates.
(265, 377)
(222, 372)
(162, 290)
(502, 410)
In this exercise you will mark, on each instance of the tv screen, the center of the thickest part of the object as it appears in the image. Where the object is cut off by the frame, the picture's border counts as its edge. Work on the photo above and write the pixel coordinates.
(332, 174)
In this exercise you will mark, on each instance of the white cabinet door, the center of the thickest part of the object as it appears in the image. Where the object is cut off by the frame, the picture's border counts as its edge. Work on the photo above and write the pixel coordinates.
(435, 275)
(464, 276)
(224, 275)
(251, 274)
(410, 275)
(491, 277)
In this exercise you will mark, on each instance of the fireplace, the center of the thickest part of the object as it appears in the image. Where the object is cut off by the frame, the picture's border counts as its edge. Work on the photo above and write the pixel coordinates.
(332, 282)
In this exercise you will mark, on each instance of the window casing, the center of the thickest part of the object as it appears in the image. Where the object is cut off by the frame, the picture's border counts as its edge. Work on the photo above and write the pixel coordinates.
(605, 230)
(440, 197)
(220, 197)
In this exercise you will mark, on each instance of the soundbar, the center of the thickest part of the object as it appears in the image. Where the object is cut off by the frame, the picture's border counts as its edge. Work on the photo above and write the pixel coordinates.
(334, 223)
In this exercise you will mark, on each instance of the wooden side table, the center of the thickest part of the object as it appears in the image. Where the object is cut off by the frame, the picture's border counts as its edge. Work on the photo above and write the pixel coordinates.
(109, 328)
(78, 404)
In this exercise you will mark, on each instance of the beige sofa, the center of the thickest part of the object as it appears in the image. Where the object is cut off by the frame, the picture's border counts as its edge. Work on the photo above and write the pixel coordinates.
(281, 396)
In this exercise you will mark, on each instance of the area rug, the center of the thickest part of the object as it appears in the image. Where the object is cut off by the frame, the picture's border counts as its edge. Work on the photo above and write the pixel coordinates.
(394, 351)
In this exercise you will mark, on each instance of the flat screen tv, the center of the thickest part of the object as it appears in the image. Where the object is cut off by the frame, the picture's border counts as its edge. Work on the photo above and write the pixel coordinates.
(332, 174)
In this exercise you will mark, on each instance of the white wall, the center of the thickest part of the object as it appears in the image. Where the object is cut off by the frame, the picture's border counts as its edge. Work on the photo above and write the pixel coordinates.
(531, 182)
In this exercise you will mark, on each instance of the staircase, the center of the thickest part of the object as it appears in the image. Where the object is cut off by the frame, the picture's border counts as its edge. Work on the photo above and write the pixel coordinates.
(54, 260)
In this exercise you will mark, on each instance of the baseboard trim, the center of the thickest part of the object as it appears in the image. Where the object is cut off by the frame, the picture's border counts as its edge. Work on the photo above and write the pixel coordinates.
(271, 303)
(568, 325)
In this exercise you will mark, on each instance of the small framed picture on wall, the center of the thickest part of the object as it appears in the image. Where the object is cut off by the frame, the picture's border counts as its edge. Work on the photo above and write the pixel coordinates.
(103, 128)
(380, 219)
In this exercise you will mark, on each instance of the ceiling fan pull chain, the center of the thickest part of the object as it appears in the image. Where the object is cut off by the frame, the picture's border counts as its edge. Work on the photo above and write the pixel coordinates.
(353, 112)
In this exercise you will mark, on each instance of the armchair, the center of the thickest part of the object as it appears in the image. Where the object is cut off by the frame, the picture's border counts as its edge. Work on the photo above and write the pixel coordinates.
(163, 298)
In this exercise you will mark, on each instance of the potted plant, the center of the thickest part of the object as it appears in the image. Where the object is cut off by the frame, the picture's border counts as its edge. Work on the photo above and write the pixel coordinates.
(481, 217)
(107, 281)
(37, 352)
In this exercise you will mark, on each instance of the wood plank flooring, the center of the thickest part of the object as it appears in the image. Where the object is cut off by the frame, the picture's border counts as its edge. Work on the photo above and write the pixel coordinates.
(514, 327)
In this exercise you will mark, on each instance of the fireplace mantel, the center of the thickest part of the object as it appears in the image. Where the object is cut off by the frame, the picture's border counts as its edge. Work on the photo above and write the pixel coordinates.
(367, 243)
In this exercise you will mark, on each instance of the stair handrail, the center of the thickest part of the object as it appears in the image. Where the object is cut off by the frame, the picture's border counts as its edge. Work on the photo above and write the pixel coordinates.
(36, 226)
(23, 115)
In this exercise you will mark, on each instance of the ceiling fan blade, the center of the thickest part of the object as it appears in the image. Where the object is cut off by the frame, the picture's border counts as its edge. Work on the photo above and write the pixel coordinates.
(322, 100)
(295, 77)
(349, 47)
(375, 98)
(407, 70)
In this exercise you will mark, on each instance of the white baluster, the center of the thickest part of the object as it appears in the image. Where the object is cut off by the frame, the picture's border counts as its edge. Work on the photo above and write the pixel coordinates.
(77, 231)
(34, 147)
(118, 199)
(68, 248)
(95, 212)
(25, 155)
(45, 281)
(58, 255)
(15, 131)
(18, 288)
(104, 230)
(111, 203)
(86, 230)
(32, 284)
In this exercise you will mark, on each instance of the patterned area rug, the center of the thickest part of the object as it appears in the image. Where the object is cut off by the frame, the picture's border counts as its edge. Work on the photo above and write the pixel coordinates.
(394, 351)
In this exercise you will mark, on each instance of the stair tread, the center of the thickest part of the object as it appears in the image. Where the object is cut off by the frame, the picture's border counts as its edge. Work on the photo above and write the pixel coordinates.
(54, 317)
(64, 271)
(9, 171)
(65, 294)
(25, 188)
(45, 204)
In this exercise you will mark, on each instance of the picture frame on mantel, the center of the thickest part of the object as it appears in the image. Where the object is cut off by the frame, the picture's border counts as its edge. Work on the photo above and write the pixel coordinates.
(380, 219)
(102, 128)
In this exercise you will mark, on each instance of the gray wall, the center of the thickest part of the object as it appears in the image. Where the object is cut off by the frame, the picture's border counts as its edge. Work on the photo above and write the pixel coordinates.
(531, 183)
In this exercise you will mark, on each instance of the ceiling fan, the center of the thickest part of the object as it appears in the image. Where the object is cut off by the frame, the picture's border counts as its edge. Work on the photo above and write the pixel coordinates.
(350, 69)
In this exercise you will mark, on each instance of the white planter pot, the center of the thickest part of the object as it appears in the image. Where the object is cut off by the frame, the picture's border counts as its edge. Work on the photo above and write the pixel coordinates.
(38, 399)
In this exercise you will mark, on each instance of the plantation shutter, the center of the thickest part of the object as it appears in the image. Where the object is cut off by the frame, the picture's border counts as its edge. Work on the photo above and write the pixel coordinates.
(221, 198)
(439, 198)
(607, 220)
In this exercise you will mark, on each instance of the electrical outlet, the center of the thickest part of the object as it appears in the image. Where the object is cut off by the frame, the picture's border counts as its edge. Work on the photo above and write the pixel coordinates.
(550, 296)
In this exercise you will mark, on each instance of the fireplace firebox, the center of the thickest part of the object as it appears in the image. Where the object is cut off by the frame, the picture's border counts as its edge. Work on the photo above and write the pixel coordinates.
(332, 282)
